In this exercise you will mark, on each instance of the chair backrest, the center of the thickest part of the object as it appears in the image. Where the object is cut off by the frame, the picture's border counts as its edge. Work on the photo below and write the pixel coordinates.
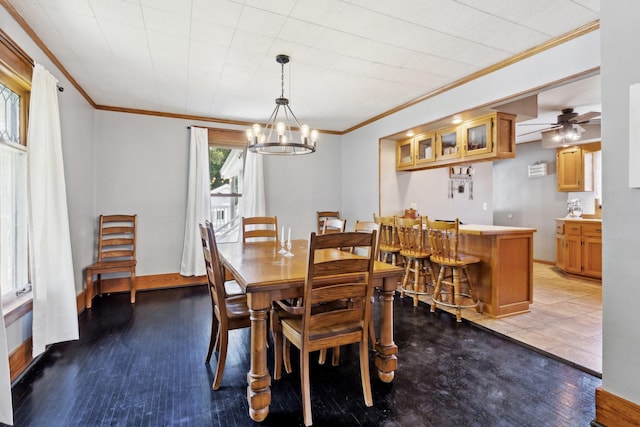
(388, 232)
(322, 215)
(215, 272)
(260, 227)
(117, 238)
(412, 236)
(334, 275)
(443, 238)
(367, 227)
(334, 225)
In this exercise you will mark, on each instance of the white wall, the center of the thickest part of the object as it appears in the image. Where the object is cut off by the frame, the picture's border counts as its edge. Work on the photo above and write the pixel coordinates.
(621, 213)
(142, 167)
(520, 201)
(429, 190)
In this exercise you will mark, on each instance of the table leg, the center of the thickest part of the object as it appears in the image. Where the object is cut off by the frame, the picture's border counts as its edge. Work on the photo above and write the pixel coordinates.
(386, 349)
(258, 378)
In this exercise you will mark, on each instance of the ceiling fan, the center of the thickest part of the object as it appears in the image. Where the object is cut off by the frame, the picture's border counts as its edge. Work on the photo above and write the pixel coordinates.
(568, 122)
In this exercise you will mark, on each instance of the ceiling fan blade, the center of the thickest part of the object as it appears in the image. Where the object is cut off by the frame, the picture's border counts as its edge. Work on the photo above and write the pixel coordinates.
(586, 117)
(537, 124)
(539, 130)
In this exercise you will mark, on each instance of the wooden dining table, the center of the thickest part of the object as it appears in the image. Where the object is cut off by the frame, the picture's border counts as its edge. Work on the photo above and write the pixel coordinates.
(266, 276)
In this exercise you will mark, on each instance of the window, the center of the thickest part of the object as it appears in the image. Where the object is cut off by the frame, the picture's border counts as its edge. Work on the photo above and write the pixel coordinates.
(15, 86)
(14, 276)
(226, 167)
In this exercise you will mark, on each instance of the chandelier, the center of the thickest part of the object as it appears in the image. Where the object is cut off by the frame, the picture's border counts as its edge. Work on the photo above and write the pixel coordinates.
(277, 137)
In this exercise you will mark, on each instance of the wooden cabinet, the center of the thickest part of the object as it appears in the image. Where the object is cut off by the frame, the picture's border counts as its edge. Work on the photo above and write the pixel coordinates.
(404, 154)
(570, 169)
(484, 138)
(579, 247)
(574, 167)
(425, 148)
(448, 144)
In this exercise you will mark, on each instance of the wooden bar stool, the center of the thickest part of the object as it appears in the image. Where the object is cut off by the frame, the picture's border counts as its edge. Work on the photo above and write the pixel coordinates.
(389, 243)
(454, 272)
(418, 277)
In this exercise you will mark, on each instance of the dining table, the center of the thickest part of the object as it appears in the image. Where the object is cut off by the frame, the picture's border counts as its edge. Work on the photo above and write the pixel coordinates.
(267, 275)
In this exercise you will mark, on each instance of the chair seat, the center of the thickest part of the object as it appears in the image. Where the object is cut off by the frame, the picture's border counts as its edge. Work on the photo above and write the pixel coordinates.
(461, 260)
(106, 266)
(324, 331)
(415, 254)
(389, 248)
(237, 306)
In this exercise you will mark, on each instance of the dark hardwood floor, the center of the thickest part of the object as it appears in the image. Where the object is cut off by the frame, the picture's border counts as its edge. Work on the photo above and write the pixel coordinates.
(143, 365)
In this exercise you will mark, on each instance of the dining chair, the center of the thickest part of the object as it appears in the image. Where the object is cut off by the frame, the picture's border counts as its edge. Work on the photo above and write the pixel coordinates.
(228, 312)
(454, 271)
(332, 277)
(334, 225)
(263, 227)
(116, 253)
(323, 215)
(359, 227)
(414, 248)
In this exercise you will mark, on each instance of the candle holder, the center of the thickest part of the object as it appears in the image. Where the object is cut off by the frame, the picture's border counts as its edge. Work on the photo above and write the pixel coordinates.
(282, 249)
(288, 253)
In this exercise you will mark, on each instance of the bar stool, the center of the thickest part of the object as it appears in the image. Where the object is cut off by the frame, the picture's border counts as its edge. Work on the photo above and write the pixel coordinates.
(418, 277)
(389, 244)
(454, 272)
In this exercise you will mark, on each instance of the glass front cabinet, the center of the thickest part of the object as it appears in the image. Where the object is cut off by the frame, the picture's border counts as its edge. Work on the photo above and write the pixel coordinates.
(482, 138)
(404, 154)
(425, 148)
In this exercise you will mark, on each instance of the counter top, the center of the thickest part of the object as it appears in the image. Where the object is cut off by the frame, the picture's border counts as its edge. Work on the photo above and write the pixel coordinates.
(486, 230)
(580, 219)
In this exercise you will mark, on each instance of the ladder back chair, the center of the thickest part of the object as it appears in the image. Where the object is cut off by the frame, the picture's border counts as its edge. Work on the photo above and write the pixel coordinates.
(332, 277)
(334, 225)
(263, 227)
(414, 248)
(389, 241)
(116, 253)
(228, 312)
(323, 215)
(454, 272)
(359, 227)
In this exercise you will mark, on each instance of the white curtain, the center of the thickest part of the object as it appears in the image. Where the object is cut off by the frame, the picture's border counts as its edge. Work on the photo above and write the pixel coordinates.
(6, 407)
(55, 315)
(198, 203)
(252, 201)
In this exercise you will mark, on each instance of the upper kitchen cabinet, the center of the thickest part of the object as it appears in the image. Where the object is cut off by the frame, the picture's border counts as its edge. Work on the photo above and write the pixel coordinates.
(448, 143)
(425, 148)
(574, 167)
(404, 154)
(484, 138)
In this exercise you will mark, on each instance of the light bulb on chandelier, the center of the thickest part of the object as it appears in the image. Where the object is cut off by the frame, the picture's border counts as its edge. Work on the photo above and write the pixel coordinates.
(277, 136)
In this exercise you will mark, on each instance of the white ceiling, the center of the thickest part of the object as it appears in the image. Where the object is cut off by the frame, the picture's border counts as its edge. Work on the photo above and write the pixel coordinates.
(350, 60)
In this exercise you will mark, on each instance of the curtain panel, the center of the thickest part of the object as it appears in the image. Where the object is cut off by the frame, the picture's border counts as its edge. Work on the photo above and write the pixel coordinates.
(198, 203)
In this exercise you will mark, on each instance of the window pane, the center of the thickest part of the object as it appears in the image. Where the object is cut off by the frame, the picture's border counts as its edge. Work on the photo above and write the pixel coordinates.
(226, 172)
(9, 115)
(13, 221)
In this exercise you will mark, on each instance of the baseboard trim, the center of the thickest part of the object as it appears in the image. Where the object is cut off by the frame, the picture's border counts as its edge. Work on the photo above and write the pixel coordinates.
(613, 410)
(145, 283)
(20, 358)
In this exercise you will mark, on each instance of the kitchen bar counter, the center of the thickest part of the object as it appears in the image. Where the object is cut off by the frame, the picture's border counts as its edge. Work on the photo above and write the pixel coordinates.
(504, 277)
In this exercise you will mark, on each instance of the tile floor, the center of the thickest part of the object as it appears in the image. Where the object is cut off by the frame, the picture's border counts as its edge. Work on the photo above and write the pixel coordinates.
(565, 319)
